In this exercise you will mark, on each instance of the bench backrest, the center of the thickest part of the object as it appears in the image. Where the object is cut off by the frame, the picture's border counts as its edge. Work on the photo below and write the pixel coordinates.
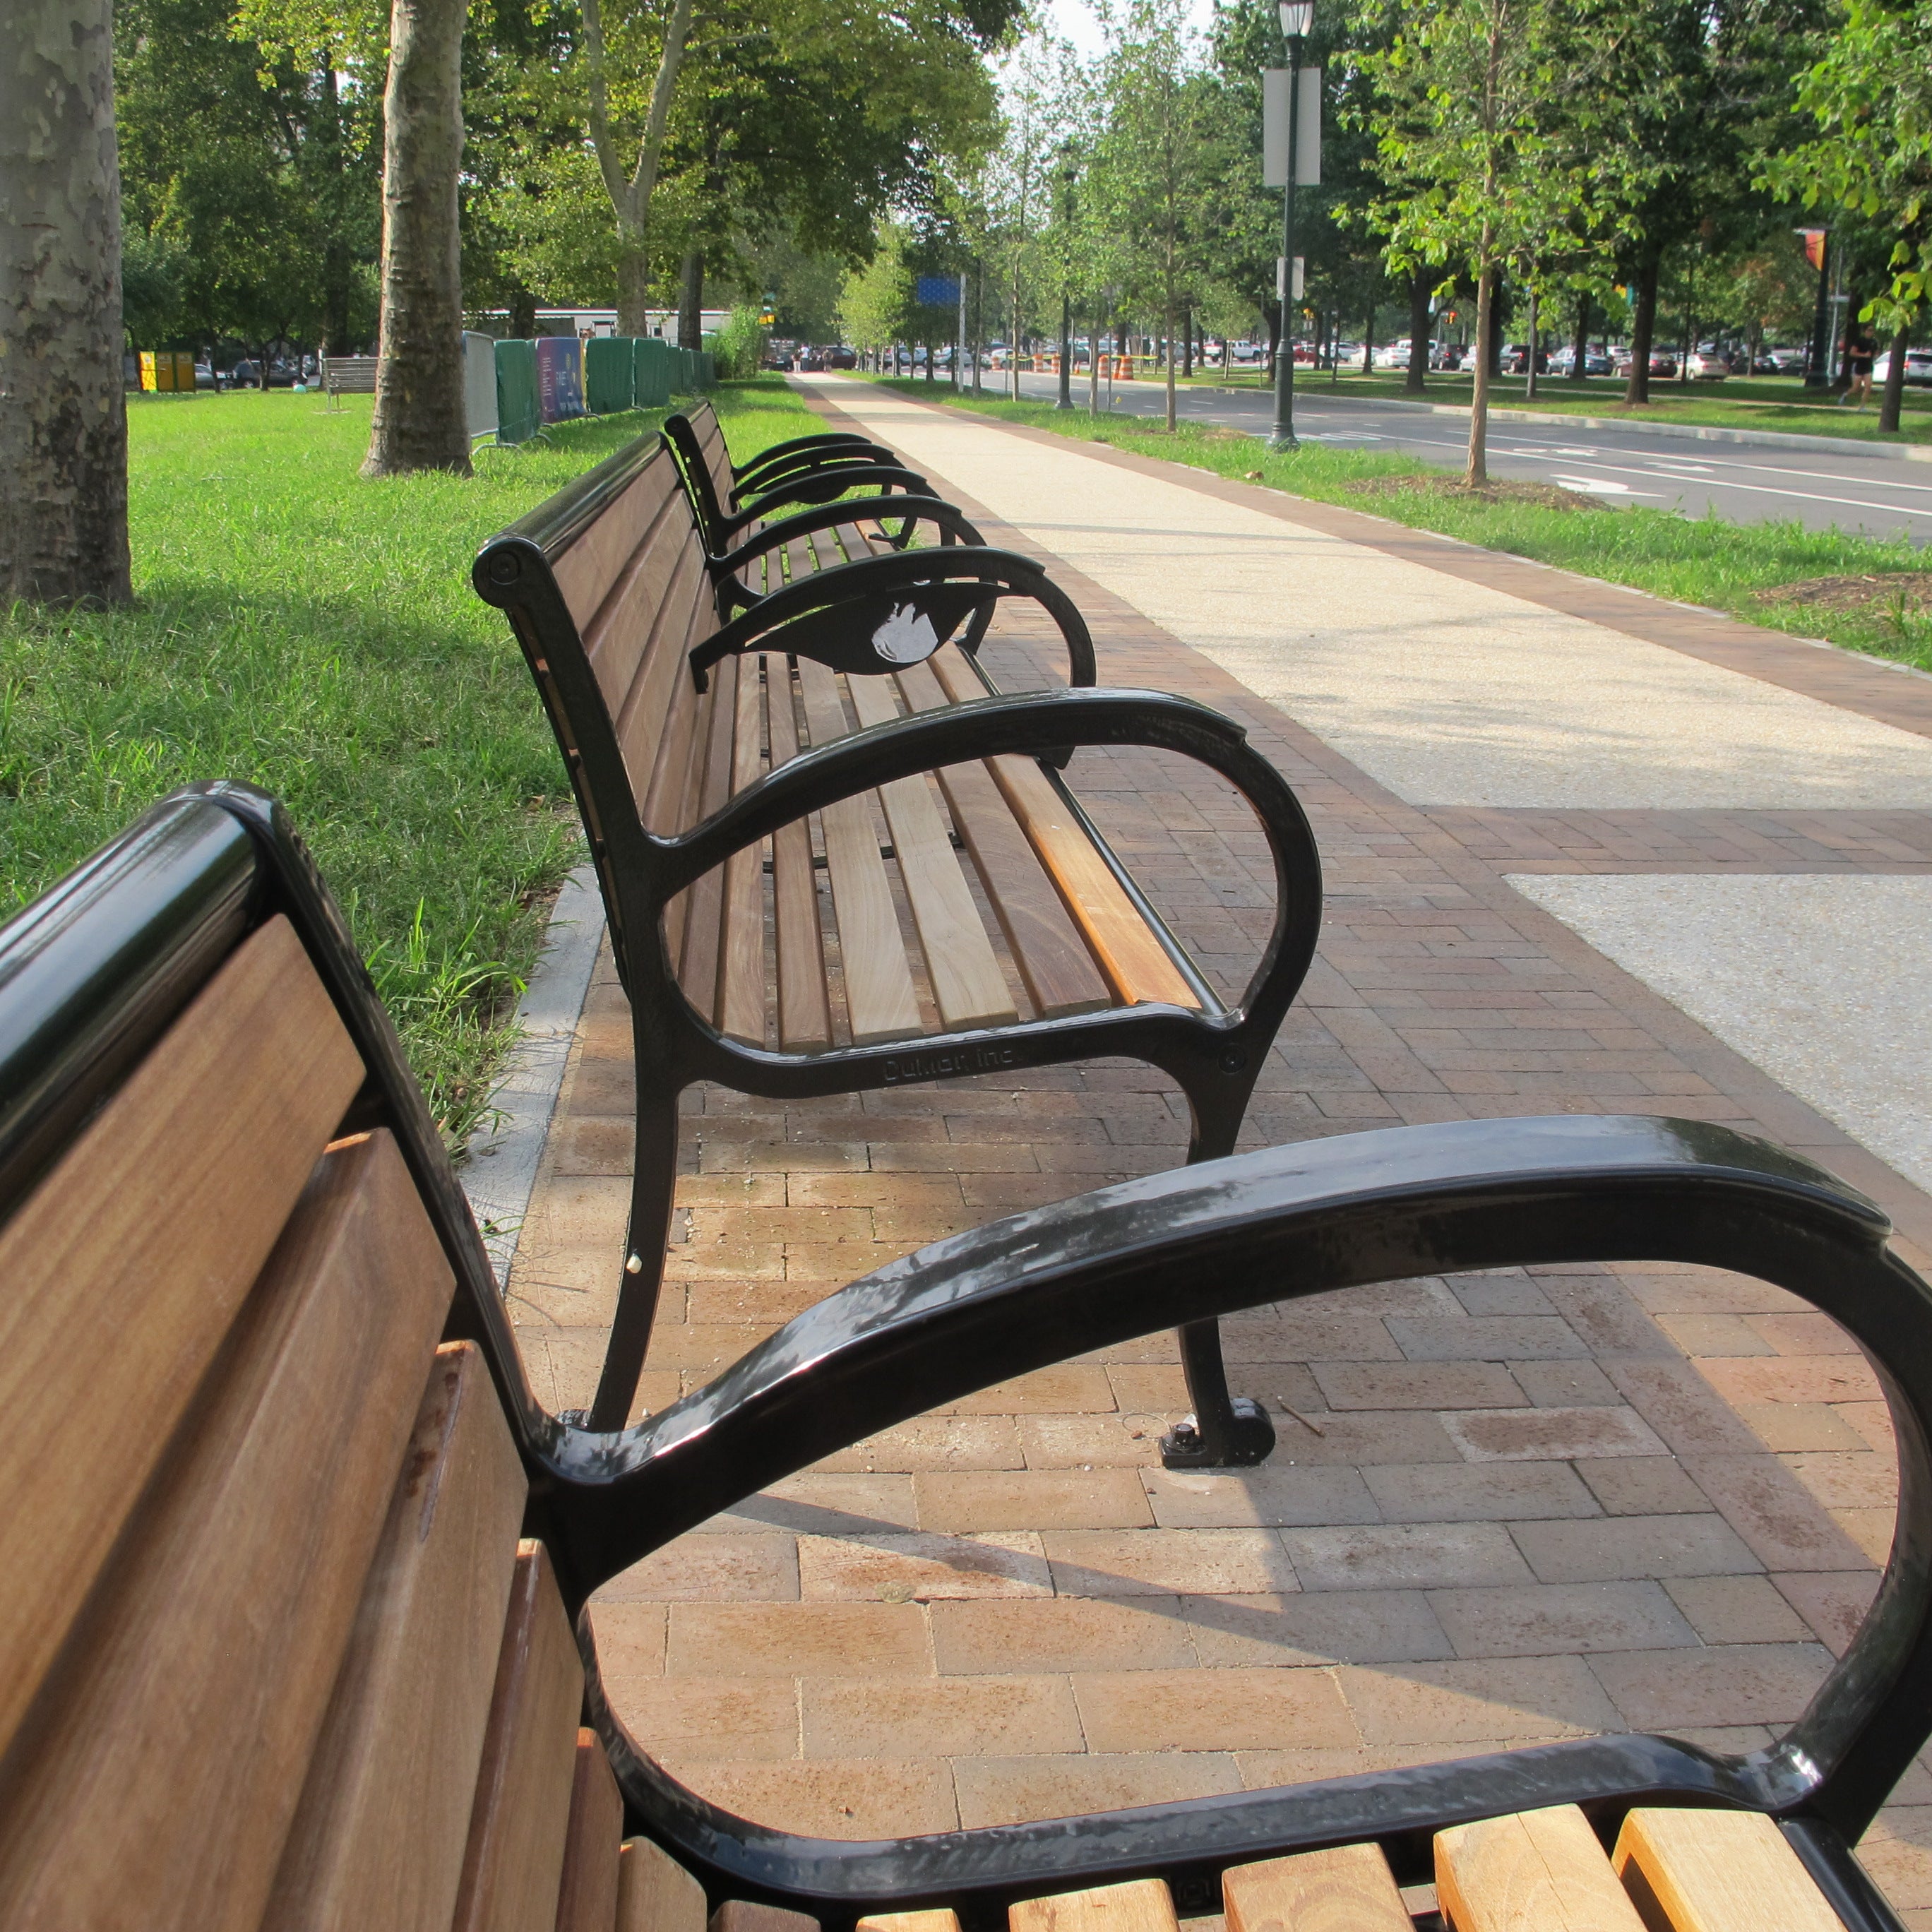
(272, 1653)
(349, 375)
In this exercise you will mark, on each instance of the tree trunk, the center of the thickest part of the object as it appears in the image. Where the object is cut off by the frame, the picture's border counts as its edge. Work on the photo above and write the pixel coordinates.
(1643, 329)
(1187, 342)
(634, 285)
(690, 303)
(522, 313)
(1368, 342)
(419, 420)
(1581, 345)
(1493, 341)
(1893, 400)
(63, 417)
(1478, 470)
(1417, 382)
(1535, 329)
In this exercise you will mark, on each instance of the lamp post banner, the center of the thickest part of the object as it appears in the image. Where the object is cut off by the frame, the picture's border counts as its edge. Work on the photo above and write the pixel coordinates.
(1274, 126)
(1308, 127)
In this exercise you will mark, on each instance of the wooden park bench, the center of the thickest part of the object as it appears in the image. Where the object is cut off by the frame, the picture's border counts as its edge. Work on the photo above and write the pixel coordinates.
(348, 375)
(834, 857)
(294, 1569)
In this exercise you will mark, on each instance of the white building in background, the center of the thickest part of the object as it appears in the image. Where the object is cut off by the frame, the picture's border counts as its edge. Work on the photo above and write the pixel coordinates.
(594, 321)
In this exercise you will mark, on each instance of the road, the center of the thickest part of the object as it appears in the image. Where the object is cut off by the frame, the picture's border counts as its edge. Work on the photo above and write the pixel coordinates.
(1743, 484)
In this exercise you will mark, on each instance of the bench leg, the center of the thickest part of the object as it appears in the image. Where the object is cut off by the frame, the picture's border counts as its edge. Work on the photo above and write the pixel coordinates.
(1225, 1431)
(653, 1183)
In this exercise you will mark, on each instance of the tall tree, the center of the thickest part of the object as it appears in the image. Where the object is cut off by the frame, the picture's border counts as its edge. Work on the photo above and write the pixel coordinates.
(1483, 111)
(419, 422)
(63, 421)
(1870, 100)
(1155, 160)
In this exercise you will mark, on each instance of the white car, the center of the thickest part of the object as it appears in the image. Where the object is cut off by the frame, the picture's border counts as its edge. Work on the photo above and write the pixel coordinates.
(1393, 355)
(1917, 367)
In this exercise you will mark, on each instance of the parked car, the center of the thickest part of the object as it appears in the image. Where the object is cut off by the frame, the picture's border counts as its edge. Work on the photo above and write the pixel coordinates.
(1917, 366)
(1392, 356)
(1706, 365)
(1661, 364)
(1447, 355)
(1515, 360)
(838, 356)
(1595, 361)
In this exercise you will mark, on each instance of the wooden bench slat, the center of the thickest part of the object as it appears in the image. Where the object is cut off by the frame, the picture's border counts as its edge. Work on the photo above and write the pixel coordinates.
(805, 1012)
(1137, 966)
(616, 638)
(151, 1227)
(586, 570)
(642, 706)
(513, 1866)
(968, 987)
(698, 972)
(745, 1914)
(224, 1614)
(880, 1000)
(1344, 1888)
(1060, 974)
(1532, 1871)
(910, 1921)
(741, 946)
(1141, 1905)
(588, 1899)
(1716, 1871)
(379, 1837)
(654, 1893)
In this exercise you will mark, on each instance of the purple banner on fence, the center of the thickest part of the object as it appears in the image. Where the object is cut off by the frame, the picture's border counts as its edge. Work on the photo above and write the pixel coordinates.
(560, 377)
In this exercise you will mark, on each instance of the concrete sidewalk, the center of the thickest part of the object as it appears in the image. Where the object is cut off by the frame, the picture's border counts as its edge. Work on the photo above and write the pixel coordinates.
(1503, 1507)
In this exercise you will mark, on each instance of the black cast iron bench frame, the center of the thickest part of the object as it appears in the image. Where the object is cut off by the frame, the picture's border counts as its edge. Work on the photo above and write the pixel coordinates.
(94, 972)
(1214, 1053)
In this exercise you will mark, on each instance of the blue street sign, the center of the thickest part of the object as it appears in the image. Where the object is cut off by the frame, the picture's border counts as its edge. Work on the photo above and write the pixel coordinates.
(936, 291)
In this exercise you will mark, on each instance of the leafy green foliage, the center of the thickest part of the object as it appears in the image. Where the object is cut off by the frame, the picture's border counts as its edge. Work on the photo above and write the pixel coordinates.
(318, 635)
(1870, 97)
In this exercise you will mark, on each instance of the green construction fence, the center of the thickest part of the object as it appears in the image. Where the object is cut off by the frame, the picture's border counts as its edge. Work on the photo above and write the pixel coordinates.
(610, 383)
(518, 417)
(651, 367)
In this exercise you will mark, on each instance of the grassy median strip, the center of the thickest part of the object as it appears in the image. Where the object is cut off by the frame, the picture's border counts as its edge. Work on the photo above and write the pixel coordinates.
(1777, 403)
(1864, 593)
(317, 635)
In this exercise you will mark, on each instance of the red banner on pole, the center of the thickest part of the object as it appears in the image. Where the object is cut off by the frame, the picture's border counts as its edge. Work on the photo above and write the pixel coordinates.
(1813, 239)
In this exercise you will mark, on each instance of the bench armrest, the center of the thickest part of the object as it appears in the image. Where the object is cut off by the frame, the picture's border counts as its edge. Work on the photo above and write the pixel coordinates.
(763, 472)
(822, 486)
(989, 1306)
(880, 613)
(952, 523)
(1045, 725)
(828, 440)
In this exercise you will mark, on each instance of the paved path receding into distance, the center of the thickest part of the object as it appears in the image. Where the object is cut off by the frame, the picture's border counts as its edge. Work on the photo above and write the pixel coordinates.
(1453, 693)
(1822, 489)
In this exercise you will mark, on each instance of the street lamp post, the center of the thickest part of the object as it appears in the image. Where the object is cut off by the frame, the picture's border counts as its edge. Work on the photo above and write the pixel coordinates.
(1297, 17)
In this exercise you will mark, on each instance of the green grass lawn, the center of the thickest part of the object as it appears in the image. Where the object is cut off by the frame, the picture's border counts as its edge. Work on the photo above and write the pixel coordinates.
(316, 634)
(1766, 403)
(1705, 560)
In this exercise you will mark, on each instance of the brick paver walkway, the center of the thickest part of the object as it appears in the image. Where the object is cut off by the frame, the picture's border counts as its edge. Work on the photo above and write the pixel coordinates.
(1503, 1507)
